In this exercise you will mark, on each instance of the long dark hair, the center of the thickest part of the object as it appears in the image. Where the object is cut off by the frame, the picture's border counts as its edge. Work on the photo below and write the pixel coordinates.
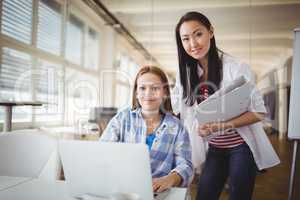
(189, 78)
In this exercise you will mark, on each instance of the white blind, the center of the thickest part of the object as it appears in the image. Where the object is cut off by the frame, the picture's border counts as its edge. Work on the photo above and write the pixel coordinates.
(49, 26)
(92, 49)
(75, 29)
(49, 89)
(17, 19)
(15, 75)
(15, 81)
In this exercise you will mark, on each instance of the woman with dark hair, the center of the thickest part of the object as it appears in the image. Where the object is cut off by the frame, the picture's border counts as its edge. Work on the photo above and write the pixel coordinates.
(241, 145)
(150, 120)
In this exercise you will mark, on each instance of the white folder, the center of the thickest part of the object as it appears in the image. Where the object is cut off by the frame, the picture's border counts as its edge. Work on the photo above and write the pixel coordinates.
(227, 103)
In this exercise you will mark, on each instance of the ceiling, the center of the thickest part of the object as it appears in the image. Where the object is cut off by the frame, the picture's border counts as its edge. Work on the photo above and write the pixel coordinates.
(259, 32)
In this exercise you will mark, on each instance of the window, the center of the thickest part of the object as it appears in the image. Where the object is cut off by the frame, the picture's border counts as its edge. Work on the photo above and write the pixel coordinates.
(91, 49)
(31, 66)
(123, 97)
(49, 26)
(17, 19)
(15, 75)
(125, 77)
(15, 81)
(82, 93)
(75, 29)
(49, 89)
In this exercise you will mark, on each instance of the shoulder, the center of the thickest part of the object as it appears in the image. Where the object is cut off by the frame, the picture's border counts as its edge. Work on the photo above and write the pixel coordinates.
(125, 113)
(234, 63)
(233, 68)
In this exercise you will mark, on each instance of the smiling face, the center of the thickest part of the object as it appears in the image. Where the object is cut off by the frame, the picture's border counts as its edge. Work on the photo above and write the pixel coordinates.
(150, 92)
(195, 38)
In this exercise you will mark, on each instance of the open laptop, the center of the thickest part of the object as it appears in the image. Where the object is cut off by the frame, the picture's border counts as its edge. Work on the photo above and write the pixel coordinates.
(104, 169)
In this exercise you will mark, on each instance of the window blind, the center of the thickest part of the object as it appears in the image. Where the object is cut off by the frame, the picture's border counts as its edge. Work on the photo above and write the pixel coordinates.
(17, 19)
(75, 29)
(92, 49)
(49, 89)
(15, 81)
(49, 26)
(15, 75)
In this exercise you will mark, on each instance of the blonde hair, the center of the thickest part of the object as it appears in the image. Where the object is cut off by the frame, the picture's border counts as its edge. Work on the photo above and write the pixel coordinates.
(167, 106)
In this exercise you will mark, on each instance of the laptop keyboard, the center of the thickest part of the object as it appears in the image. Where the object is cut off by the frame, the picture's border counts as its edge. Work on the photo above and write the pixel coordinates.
(161, 195)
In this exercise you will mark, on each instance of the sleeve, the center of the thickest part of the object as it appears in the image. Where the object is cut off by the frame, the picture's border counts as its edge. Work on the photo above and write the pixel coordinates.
(183, 157)
(176, 96)
(113, 130)
(257, 102)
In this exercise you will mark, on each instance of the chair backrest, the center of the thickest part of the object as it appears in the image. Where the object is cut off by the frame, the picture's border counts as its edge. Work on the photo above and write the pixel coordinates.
(25, 154)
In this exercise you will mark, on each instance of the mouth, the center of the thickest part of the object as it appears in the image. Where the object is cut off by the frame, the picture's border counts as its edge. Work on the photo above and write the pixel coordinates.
(198, 50)
(150, 100)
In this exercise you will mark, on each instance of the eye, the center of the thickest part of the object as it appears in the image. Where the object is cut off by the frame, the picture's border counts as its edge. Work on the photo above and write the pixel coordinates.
(155, 88)
(141, 88)
(199, 34)
(185, 39)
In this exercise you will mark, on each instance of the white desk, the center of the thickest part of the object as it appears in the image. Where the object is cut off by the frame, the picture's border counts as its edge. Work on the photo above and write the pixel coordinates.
(37, 189)
(8, 181)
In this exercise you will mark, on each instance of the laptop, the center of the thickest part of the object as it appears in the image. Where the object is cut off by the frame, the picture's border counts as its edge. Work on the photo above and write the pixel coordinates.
(105, 170)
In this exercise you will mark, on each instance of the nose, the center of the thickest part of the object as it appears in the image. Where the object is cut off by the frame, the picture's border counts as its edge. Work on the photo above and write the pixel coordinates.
(193, 42)
(148, 92)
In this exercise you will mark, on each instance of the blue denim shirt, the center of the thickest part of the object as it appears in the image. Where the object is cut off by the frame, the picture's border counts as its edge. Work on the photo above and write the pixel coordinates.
(171, 149)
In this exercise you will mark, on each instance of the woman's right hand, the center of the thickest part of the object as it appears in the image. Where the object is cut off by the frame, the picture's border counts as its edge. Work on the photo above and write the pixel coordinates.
(204, 130)
(211, 127)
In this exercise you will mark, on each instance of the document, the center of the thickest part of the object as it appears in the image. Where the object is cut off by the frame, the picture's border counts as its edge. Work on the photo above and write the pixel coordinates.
(226, 103)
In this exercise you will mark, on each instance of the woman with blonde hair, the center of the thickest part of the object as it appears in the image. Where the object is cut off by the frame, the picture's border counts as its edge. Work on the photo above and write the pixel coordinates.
(150, 120)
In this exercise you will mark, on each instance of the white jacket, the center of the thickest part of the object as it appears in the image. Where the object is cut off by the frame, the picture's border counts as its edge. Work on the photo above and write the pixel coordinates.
(253, 134)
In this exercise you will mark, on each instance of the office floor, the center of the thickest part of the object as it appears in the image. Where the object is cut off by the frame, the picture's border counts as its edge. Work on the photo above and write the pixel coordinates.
(274, 183)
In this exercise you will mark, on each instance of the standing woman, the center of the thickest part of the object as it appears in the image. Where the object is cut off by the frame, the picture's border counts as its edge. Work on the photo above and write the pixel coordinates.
(243, 146)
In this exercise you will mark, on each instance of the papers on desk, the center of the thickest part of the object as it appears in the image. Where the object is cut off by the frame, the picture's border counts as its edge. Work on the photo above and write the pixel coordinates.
(227, 103)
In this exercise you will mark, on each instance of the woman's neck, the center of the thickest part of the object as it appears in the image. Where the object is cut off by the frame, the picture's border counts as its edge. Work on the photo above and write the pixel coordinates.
(204, 75)
(152, 120)
(204, 62)
(151, 115)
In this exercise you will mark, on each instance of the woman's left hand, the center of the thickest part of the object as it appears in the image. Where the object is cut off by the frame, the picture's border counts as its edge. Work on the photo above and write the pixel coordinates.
(163, 183)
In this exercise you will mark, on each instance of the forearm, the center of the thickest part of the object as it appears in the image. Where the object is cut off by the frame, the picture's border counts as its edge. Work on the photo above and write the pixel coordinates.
(243, 120)
(176, 178)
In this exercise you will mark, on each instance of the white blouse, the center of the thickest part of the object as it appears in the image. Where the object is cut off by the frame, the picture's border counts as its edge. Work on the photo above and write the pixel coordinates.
(253, 134)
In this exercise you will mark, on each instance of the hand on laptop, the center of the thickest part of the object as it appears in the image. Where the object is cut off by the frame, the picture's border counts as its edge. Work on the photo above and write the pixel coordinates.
(163, 183)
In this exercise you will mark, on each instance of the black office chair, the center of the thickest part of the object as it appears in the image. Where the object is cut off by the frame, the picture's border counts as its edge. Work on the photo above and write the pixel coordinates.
(101, 116)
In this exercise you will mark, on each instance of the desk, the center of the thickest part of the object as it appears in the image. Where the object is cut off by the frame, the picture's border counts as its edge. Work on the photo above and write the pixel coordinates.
(8, 111)
(8, 181)
(37, 189)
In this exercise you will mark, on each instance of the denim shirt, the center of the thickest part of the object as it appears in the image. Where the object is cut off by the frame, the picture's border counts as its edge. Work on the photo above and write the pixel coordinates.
(170, 151)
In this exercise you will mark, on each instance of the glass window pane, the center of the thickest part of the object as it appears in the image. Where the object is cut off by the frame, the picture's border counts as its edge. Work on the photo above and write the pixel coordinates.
(15, 82)
(124, 92)
(49, 26)
(17, 19)
(49, 89)
(81, 94)
(92, 49)
(75, 28)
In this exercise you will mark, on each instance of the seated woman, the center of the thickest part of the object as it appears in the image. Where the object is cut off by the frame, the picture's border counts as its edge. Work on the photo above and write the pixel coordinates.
(150, 120)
